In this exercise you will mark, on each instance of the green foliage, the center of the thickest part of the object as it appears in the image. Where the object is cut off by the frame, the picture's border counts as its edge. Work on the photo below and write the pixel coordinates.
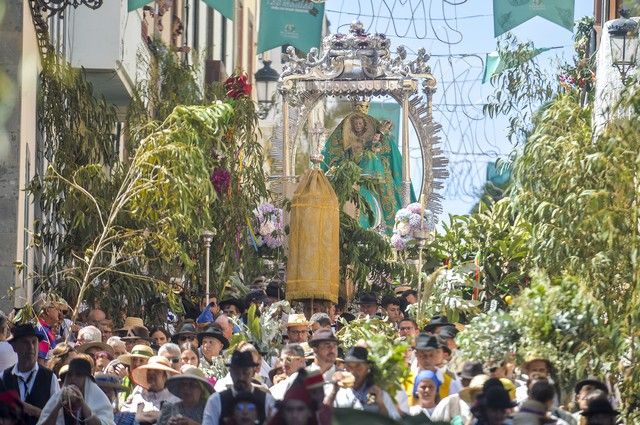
(496, 239)
(386, 350)
(365, 255)
(520, 88)
(263, 331)
(489, 337)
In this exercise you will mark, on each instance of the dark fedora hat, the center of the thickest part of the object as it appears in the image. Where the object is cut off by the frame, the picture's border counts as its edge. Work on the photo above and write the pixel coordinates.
(437, 321)
(216, 333)
(427, 342)
(600, 406)
(357, 355)
(322, 335)
(496, 397)
(594, 382)
(258, 296)
(232, 301)
(23, 331)
(242, 359)
(368, 298)
(81, 367)
(470, 369)
(448, 331)
(186, 329)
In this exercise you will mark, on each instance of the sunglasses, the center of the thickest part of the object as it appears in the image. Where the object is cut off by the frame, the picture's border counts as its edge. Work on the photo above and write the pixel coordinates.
(249, 407)
(290, 359)
(174, 360)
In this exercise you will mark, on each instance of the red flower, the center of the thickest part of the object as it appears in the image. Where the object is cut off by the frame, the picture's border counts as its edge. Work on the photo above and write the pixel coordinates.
(237, 86)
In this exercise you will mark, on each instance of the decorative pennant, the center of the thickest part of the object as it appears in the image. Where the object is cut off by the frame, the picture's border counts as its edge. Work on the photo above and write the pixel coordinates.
(294, 22)
(225, 7)
(508, 14)
(136, 4)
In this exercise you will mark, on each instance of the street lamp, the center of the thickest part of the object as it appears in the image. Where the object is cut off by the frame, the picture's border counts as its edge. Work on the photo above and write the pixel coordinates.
(266, 83)
(207, 238)
(623, 33)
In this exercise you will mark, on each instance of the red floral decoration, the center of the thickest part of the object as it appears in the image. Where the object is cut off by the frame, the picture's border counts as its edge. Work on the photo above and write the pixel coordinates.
(237, 86)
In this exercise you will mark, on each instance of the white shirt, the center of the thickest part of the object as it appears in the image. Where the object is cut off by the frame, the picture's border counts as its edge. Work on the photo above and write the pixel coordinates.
(29, 378)
(152, 401)
(213, 409)
(416, 410)
(346, 398)
(450, 407)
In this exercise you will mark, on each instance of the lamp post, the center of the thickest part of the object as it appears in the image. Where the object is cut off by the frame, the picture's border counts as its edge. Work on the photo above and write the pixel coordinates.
(623, 33)
(207, 238)
(266, 83)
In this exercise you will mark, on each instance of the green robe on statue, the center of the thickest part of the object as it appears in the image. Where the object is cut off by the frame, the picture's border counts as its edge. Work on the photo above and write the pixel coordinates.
(366, 141)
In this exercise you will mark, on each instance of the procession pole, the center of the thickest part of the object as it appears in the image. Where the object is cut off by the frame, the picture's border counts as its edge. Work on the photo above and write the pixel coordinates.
(207, 237)
(406, 171)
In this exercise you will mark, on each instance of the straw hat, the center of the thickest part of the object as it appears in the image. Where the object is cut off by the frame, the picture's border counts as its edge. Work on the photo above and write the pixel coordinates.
(130, 322)
(398, 290)
(297, 320)
(190, 374)
(475, 387)
(140, 351)
(160, 363)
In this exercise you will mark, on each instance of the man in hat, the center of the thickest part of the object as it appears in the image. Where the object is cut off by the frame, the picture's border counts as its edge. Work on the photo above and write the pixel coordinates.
(297, 328)
(534, 366)
(242, 369)
(137, 335)
(361, 393)
(325, 352)
(429, 356)
(35, 383)
(90, 342)
(187, 334)
(150, 391)
(212, 342)
(79, 398)
(368, 304)
(584, 389)
(232, 307)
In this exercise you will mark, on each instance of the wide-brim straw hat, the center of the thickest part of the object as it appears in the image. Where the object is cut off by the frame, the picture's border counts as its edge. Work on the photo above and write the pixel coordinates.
(296, 319)
(139, 351)
(89, 345)
(192, 374)
(130, 322)
(159, 363)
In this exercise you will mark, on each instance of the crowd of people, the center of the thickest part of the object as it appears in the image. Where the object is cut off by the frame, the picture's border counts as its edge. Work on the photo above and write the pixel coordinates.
(89, 372)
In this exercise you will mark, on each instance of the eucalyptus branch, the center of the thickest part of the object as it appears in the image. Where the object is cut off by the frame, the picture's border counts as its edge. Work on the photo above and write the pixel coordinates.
(80, 189)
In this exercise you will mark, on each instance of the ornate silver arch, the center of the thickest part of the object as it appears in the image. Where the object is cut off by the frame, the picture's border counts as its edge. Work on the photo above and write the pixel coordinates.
(359, 64)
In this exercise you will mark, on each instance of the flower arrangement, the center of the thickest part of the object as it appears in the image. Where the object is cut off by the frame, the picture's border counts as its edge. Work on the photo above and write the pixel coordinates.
(268, 226)
(237, 86)
(221, 180)
(409, 222)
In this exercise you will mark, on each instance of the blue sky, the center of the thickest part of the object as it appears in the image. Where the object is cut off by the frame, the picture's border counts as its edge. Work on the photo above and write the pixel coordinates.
(457, 37)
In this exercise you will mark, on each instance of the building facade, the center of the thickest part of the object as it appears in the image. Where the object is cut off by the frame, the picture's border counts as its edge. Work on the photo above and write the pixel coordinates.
(107, 42)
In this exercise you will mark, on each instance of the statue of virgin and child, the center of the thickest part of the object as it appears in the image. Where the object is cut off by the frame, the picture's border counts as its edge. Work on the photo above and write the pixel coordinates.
(369, 143)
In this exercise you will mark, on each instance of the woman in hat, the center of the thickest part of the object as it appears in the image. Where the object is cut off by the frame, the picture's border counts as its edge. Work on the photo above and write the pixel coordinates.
(80, 401)
(425, 391)
(151, 392)
(360, 391)
(493, 405)
(139, 356)
(193, 389)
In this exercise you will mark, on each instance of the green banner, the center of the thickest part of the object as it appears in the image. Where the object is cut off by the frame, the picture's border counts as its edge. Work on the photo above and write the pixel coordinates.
(136, 4)
(225, 7)
(494, 64)
(508, 14)
(294, 22)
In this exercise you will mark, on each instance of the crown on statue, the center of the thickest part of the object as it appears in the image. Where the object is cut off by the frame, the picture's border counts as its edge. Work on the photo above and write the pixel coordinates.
(361, 106)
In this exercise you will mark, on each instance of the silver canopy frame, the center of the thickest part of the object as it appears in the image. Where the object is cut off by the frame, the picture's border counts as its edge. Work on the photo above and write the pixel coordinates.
(359, 65)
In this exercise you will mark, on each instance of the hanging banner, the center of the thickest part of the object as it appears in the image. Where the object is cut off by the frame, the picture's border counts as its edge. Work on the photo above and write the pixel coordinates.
(508, 14)
(294, 22)
(136, 4)
(225, 7)
(494, 64)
